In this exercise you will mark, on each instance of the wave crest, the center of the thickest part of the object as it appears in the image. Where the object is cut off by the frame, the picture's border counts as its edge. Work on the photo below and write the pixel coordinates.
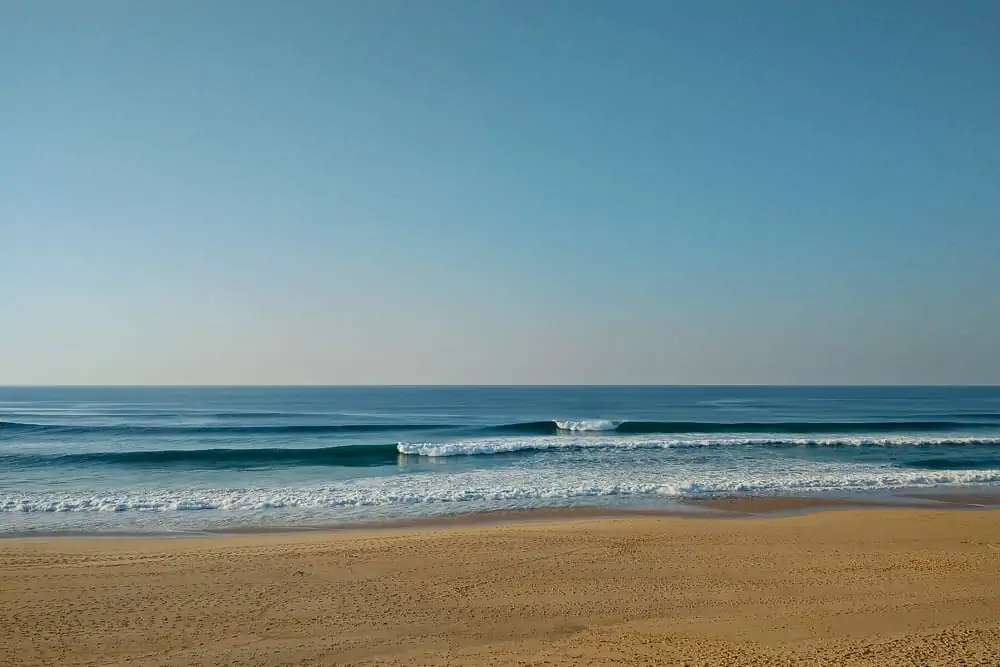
(587, 425)
(512, 445)
(629, 427)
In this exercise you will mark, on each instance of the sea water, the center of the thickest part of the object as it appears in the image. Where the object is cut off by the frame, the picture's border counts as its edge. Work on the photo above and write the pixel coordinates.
(166, 459)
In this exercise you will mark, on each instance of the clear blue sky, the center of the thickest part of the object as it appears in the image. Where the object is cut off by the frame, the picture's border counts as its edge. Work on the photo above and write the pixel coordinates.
(499, 192)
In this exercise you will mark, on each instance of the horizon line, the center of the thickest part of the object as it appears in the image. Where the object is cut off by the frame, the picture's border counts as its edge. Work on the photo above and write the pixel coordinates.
(501, 385)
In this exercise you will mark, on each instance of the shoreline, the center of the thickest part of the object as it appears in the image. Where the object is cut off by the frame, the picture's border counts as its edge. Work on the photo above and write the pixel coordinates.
(714, 508)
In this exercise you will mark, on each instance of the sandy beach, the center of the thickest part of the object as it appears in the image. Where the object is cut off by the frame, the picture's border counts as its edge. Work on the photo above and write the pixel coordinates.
(846, 587)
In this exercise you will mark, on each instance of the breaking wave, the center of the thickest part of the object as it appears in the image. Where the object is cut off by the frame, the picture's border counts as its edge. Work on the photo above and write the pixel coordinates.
(389, 454)
(465, 489)
(479, 447)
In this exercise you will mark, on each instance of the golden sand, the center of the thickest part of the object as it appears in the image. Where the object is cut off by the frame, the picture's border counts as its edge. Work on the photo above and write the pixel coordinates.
(847, 587)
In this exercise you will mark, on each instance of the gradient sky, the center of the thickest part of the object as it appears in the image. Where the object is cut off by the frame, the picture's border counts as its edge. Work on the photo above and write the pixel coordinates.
(551, 191)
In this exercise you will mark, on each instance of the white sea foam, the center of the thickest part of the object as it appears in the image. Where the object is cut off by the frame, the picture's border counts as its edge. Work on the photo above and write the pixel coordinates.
(523, 487)
(586, 425)
(507, 445)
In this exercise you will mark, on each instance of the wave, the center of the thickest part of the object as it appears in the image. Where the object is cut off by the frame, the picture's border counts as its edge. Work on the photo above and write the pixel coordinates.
(639, 427)
(587, 425)
(347, 455)
(128, 413)
(390, 454)
(480, 447)
(975, 415)
(267, 429)
(952, 463)
(545, 427)
(475, 491)
(556, 427)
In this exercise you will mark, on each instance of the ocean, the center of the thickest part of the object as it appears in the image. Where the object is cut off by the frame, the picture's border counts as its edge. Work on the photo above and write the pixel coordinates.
(210, 458)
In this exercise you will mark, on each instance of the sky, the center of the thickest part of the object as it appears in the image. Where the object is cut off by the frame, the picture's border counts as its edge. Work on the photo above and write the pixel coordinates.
(504, 192)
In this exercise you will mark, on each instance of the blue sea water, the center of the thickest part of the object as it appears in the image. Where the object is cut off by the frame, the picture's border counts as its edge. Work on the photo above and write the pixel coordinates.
(162, 459)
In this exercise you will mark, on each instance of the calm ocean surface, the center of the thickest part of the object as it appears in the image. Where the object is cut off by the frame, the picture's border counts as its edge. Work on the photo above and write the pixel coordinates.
(195, 458)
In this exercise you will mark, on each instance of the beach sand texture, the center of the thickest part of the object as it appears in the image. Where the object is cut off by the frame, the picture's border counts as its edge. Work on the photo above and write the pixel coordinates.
(845, 587)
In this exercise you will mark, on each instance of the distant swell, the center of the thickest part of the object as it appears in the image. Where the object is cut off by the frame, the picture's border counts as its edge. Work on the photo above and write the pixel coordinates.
(546, 427)
(268, 429)
(975, 415)
(787, 427)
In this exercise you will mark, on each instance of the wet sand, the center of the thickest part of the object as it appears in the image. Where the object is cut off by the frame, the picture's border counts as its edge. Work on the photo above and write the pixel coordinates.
(764, 505)
(851, 587)
(963, 498)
